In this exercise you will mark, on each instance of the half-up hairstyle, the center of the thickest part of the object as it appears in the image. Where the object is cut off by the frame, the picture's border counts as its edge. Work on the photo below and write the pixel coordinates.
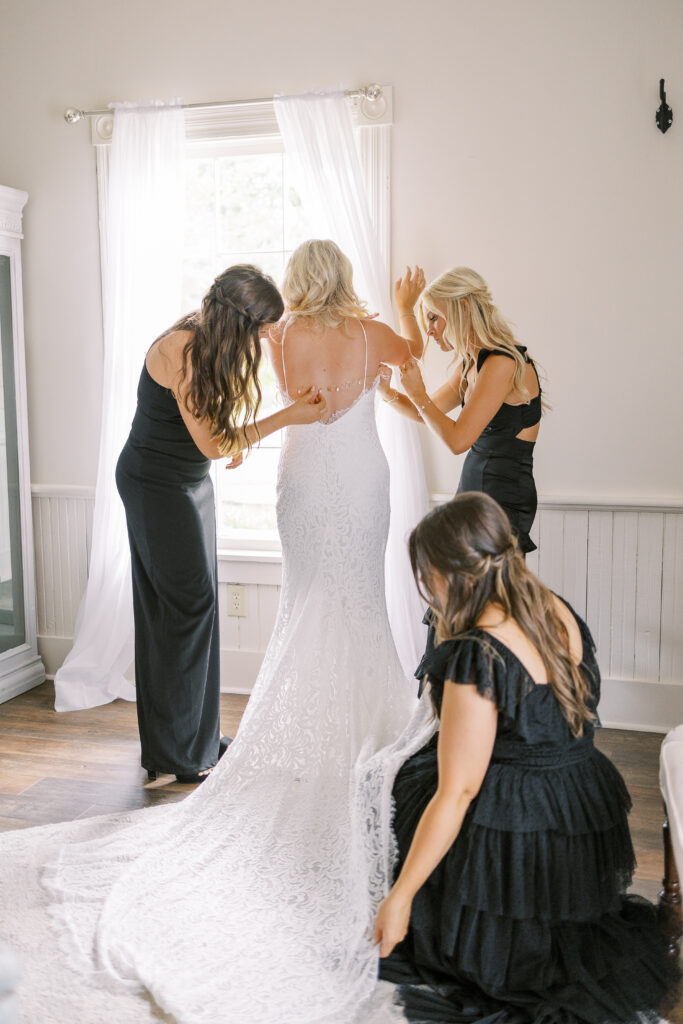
(468, 542)
(471, 316)
(224, 351)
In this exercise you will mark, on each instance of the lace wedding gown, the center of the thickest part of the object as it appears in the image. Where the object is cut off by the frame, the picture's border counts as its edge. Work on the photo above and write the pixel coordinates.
(251, 902)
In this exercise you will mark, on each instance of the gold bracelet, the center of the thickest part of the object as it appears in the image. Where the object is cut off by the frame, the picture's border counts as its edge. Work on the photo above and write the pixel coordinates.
(401, 315)
(394, 397)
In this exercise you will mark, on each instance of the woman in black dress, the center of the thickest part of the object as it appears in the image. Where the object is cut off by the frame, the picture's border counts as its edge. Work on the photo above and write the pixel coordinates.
(496, 384)
(197, 400)
(514, 850)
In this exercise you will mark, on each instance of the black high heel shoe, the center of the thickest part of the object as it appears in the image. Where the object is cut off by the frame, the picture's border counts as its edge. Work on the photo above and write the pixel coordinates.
(187, 780)
(223, 745)
(193, 780)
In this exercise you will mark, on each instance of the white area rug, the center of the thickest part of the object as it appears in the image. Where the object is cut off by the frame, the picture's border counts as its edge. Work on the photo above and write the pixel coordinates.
(49, 991)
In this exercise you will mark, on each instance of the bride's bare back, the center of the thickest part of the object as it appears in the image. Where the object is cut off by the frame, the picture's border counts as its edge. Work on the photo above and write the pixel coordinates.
(343, 362)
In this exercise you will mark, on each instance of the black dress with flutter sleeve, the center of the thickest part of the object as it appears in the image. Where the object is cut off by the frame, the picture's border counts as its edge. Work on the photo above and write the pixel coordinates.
(526, 920)
(165, 486)
(501, 464)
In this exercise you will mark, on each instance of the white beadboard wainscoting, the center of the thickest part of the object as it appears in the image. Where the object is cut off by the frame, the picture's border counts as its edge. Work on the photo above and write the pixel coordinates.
(619, 563)
(621, 566)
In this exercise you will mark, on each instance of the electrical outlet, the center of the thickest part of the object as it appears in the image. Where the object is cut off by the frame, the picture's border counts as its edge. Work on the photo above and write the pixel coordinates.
(237, 600)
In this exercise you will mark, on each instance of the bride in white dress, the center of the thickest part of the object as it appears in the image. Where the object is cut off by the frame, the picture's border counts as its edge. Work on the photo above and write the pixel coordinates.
(250, 902)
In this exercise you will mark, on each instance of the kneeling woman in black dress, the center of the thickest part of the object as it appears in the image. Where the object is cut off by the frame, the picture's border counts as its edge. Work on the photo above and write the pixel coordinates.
(197, 400)
(509, 903)
(496, 384)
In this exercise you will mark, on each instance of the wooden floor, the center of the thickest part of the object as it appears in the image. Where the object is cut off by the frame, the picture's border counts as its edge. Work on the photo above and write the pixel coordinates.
(58, 767)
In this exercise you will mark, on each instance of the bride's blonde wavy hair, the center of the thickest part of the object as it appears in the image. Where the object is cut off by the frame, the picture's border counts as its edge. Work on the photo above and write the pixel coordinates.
(468, 542)
(471, 317)
(318, 283)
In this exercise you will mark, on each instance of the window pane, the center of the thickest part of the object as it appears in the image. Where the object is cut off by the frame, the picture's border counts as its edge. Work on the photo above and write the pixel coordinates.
(270, 398)
(243, 208)
(247, 495)
(297, 222)
(198, 273)
(200, 207)
(269, 262)
(249, 206)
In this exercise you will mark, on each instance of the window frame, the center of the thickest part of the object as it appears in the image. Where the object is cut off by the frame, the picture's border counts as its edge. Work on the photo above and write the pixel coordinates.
(248, 125)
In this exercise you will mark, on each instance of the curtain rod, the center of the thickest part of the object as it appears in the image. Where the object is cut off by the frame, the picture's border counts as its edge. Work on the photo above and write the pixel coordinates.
(368, 92)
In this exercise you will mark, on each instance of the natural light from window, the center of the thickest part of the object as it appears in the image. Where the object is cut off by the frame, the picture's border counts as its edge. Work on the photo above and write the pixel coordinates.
(241, 207)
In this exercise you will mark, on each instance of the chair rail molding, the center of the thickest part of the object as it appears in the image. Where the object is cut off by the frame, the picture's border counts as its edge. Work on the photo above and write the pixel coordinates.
(618, 561)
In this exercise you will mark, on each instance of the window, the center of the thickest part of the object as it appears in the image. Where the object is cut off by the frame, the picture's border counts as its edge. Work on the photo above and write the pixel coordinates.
(241, 207)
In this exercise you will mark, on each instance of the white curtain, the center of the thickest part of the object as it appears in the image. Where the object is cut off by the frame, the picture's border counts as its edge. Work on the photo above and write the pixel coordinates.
(318, 136)
(141, 214)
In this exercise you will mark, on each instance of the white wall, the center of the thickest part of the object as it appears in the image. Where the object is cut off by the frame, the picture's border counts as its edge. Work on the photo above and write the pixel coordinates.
(524, 145)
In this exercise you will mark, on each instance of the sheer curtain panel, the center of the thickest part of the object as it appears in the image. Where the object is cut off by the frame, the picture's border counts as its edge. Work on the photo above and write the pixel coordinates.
(141, 222)
(318, 136)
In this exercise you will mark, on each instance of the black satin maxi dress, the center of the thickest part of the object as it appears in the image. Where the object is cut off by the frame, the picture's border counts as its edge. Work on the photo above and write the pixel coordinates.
(501, 465)
(526, 919)
(164, 483)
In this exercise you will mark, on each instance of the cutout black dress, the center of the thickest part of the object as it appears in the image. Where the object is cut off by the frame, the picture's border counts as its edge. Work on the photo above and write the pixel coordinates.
(164, 483)
(525, 920)
(501, 465)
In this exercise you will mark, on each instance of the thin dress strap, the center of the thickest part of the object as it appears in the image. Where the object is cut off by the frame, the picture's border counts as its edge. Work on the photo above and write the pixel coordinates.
(284, 368)
(365, 373)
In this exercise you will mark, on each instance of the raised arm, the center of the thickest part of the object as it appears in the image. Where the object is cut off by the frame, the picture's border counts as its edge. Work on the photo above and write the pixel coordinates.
(466, 737)
(446, 398)
(493, 385)
(407, 290)
(309, 408)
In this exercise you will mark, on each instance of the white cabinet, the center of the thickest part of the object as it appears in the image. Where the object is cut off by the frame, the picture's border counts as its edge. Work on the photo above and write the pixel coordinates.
(20, 666)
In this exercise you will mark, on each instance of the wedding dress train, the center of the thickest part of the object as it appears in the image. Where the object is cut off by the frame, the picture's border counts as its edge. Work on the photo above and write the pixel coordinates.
(251, 902)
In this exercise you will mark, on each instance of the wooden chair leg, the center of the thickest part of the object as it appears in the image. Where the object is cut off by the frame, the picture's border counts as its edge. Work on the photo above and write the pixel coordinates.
(670, 911)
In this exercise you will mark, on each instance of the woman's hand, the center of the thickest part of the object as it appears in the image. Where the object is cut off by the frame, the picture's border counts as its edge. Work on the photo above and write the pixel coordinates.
(311, 407)
(408, 288)
(412, 382)
(391, 923)
(235, 461)
(384, 387)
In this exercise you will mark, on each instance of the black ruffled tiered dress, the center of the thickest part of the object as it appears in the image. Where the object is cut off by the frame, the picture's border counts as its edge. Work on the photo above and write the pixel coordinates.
(526, 918)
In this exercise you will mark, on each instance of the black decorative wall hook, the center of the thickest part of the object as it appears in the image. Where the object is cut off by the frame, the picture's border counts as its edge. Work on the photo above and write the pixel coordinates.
(665, 114)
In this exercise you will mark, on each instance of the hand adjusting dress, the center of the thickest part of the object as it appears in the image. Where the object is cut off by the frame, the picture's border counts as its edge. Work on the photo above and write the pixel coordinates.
(252, 900)
(502, 465)
(164, 483)
(525, 919)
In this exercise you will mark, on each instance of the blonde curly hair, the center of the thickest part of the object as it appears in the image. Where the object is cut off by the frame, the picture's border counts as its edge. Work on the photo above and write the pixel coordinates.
(318, 283)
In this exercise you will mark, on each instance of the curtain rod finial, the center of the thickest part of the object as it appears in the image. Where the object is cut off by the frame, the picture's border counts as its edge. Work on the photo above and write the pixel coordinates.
(372, 92)
(71, 115)
(373, 104)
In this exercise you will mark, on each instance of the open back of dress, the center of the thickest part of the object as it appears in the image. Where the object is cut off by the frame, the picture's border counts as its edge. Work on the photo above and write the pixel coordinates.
(337, 360)
(255, 896)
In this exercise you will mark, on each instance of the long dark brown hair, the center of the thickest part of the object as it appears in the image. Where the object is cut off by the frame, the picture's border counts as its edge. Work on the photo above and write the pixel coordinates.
(224, 351)
(468, 542)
